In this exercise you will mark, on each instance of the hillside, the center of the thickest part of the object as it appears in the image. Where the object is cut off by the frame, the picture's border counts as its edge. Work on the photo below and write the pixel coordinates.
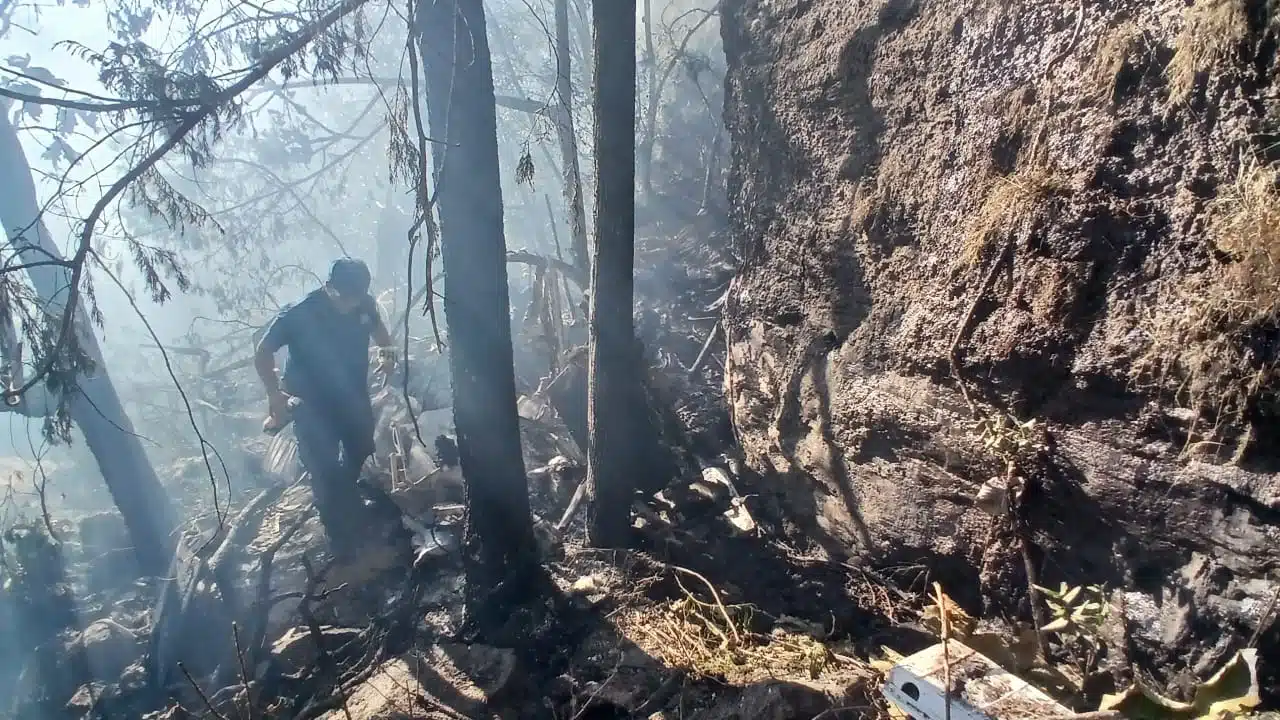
(956, 213)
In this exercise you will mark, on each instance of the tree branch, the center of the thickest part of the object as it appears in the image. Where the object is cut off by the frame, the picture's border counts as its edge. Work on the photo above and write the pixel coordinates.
(194, 120)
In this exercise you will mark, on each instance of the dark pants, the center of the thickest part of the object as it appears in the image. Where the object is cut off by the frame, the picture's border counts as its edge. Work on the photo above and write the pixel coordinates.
(333, 443)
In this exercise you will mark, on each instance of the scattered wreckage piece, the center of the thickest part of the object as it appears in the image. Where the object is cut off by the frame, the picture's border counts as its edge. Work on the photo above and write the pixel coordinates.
(980, 688)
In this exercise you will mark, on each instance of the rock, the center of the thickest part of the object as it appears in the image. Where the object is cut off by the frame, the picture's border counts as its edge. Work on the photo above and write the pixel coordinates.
(771, 700)
(462, 677)
(107, 549)
(109, 648)
(87, 697)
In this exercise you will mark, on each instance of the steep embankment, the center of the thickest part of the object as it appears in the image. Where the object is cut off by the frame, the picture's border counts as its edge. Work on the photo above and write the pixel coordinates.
(1059, 208)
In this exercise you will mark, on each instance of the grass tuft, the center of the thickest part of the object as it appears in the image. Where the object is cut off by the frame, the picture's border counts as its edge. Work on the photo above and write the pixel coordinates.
(1219, 339)
(1009, 202)
(1115, 50)
(1212, 31)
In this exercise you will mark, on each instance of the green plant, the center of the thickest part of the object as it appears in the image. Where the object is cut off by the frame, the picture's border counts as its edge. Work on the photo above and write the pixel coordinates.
(1077, 617)
(1008, 437)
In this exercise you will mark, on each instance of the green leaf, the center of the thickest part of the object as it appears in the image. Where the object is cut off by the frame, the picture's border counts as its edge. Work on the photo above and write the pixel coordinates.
(1057, 625)
(1047, 591)
(1070, 596)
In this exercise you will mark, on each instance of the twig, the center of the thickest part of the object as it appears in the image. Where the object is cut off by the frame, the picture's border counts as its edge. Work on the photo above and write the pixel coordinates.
(702, 355)
(244, 671)
(221, 562)
(1033, 594)
(836, 710)
(207, 703)
(715, 595)
(430, 703)
(962, 331)
(945, 621)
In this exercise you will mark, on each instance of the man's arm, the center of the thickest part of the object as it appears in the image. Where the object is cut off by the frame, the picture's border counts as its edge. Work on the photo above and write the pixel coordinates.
(381, 336)
(264, 356)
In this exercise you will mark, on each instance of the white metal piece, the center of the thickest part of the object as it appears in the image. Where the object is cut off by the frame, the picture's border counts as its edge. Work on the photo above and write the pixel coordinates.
(980, 689)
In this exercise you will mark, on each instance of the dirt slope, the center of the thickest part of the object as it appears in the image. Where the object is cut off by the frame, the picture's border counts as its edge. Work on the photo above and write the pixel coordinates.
(1061, 208)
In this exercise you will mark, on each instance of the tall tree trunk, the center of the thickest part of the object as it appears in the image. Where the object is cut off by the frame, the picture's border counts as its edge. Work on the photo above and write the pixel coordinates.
(93, 403)
(459, 79)
(568, 138)
(615, 397)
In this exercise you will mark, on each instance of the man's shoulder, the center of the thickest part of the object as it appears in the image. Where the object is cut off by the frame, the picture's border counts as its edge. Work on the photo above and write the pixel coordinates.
(306, 304)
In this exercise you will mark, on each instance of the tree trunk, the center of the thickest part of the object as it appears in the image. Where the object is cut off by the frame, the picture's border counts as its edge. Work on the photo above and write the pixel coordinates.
(459, 79)
(645, 159)
(568, 138)
(93, 404)
(614, 394)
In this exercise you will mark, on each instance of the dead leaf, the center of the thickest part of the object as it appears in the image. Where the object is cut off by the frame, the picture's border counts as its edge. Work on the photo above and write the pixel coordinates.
(1232, 689)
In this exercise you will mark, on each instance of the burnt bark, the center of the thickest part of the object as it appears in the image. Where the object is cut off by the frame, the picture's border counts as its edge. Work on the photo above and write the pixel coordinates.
(93, 404)
(614, 393)
(460, 100)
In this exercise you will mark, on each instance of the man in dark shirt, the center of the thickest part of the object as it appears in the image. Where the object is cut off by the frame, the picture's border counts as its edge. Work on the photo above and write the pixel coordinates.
(326, 375)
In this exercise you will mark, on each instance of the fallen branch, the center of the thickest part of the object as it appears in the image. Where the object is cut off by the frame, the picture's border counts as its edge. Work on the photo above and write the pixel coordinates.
(565, 269)
(264, 604)
(224, 560)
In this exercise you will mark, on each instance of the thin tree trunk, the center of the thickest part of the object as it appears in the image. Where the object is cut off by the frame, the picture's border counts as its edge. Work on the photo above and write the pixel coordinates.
(568, 138)
(645, 159)
(93, 404)
(459, 80)
(615, 397)
(658, 82)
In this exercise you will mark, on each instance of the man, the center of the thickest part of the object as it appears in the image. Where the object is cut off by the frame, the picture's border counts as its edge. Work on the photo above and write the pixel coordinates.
(326, 389)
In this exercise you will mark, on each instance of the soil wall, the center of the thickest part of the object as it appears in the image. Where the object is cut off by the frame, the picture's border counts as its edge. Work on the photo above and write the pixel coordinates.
(951, 210)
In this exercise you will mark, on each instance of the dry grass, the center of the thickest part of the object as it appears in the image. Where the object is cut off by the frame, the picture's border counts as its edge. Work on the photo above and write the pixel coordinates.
(1212, 31)
(1209, 339)
(1116, 49)
(714, 639)
(1009, 202)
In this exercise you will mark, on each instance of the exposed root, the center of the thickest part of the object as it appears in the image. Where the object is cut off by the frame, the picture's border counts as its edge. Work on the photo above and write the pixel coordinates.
(1212, 31)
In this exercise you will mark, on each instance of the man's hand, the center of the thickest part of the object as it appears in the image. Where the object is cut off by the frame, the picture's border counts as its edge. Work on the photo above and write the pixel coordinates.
(277, 411)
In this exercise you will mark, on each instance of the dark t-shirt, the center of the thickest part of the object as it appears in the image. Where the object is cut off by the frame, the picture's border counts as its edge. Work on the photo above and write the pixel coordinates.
(328, 360)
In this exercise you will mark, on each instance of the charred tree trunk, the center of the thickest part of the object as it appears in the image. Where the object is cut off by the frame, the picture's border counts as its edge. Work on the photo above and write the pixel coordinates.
(568, 137)
(615, 397)
(459, 81)
(93, 404)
